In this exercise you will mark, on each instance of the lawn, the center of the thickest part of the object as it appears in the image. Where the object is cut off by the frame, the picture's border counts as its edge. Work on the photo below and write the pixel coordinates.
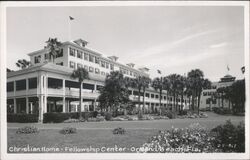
(99, 134)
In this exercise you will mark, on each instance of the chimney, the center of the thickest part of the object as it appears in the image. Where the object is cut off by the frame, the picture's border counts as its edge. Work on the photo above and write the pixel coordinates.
(81, 42)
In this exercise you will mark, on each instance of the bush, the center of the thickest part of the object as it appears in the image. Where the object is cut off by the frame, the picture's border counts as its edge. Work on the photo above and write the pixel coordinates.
(108, 116)
(119, 130)
(230, 138)
(61, 117)
(195, 138)
(27, 130)
(183, 112)
(220, 110)
(68, 130)
(22, 118)
(95, 113)
(169, 114)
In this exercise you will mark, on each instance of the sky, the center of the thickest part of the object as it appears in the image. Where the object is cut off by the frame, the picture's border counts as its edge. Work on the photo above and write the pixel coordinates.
(173, 39)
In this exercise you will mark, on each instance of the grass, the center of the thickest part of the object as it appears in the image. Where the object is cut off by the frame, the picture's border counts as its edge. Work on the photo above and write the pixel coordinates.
(82, 139)
(99, 134)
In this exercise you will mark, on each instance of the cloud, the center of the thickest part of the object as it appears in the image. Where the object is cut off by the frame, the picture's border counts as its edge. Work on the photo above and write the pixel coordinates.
(168, 46)
(218, 45)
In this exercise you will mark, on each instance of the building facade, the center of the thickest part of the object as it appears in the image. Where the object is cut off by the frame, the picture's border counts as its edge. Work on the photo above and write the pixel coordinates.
(46, 85)
(210, 97)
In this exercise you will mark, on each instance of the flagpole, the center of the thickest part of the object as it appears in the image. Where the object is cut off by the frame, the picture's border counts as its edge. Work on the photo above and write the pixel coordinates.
(69, 30)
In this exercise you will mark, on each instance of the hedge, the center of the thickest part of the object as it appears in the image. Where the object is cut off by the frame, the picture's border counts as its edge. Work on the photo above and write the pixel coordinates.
(60, 117)
(22, 118)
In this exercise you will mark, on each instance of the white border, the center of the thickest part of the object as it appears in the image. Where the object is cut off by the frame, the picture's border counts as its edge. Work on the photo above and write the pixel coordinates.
(4, 154)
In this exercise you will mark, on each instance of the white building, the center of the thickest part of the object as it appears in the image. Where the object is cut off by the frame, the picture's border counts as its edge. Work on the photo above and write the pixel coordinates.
(47, 87)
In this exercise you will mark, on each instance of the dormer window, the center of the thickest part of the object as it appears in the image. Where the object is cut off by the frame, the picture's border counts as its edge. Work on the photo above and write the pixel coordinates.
(37, 59)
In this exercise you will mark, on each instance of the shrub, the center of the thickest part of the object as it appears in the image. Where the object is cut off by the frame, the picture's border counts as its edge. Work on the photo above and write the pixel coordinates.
(95, 113)
(220, 110)
(22, 118)
(68, 130)
(108, 116)
(195, 138)
(71, 121)
(61, 117)
(27, 130)
(119, 130)
(169, 114)
(230, 138)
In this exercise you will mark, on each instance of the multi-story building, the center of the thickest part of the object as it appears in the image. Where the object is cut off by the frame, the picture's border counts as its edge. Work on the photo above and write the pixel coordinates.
(210, 97)
(46, 86)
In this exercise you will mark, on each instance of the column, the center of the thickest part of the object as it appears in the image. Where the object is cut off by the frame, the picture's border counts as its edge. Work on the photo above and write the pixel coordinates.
(64, 105)
(94, 104)
(41, 106)
(15, 107)
(27, 105)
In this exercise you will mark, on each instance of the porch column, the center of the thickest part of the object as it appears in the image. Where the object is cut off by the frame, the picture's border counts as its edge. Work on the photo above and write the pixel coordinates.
(27, 105)
(15, 107)
(41, 107)
(64, 105)
(94, 104)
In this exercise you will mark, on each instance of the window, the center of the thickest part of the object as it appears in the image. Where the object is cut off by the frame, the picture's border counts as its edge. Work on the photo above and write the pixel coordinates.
(152, 96)
(79, 54)
(204, 93)
(156, 96)
(46, 56)
(208, 101)
(21, 85)
(102, 64)
(60, 53)
(107, 65)
(32, 83)
(86, 56)
(37, 59)
(97, 71)
(86, 67)
(79, 65)
(88, 86)
(214, 101)
(209, 93)
(103, 73)
(97, 60)
(60, 64)
(91, 58)
(112, 67)
(72, 52)
(55, 83)
(99, 87)
(129, 92)
(91, 69)
(10, 86)
(72, 64)
(147, 95)
(164, 97)
(131, 73)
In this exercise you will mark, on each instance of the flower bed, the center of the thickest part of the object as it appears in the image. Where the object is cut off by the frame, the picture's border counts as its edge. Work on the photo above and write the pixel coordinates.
(197, 139)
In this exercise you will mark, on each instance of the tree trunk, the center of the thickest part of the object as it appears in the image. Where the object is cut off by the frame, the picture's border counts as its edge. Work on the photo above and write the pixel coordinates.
(139, 100)
(182, 102)
(199, 97)
(80, 101)
(160, 102)
(143, 109)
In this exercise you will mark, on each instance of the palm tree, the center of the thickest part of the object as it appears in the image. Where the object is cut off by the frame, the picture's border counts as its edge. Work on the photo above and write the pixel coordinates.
(145, 84)
(166, 86)
(54, 48)
(174, 80)
(81, 74)
(23, 63)
(182, 88)
(157, 84)
(195, 81)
